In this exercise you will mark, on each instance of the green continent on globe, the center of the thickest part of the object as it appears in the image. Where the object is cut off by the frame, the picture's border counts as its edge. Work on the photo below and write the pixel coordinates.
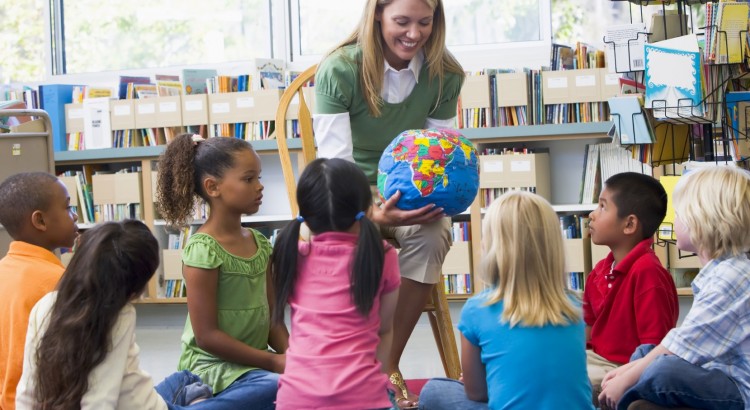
(428, 157)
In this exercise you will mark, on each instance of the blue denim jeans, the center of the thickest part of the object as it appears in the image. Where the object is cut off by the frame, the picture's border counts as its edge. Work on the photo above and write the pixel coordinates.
(447, 394)
(670, 381)
(254, 390)
(176, 389)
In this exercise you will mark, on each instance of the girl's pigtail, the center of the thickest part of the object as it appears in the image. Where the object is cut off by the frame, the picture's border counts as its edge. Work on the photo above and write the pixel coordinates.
(176, 182)
(284, 267)
(368, 266)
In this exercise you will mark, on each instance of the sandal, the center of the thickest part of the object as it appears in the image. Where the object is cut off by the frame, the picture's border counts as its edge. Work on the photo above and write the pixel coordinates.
(402, 394)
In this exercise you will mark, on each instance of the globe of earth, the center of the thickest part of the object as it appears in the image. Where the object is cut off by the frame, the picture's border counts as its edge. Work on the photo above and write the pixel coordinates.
(430, 166)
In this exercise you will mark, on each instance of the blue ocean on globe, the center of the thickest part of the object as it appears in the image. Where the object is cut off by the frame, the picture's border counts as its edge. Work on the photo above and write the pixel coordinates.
(430, 166)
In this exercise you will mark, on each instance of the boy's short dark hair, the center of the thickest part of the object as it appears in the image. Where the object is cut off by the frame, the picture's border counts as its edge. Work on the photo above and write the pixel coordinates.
(21, 195)
(640, 195)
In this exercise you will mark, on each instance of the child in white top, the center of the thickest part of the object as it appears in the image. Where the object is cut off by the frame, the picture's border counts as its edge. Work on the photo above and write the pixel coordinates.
(80, 346)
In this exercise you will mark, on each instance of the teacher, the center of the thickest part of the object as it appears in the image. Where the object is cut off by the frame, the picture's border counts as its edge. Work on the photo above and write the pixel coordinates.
(391, 74)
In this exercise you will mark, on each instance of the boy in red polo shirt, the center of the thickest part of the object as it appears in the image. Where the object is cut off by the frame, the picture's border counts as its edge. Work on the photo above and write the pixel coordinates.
(629, 298)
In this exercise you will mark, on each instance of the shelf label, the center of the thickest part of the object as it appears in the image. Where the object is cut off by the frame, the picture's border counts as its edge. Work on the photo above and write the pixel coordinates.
(169, 106)
(612, 79)
(146, 108)
(520, 166)
(585, 80)
(493, 166)
(75, 113)
(121, 110)
(246, 102)
(557, 82)
(194, 105)
(220, 108)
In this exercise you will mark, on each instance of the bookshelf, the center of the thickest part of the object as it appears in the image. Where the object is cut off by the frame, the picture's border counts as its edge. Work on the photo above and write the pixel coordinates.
(564, 144)
(146, 158)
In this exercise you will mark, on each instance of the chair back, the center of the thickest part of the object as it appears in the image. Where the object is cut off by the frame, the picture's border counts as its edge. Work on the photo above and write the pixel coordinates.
(304, 117)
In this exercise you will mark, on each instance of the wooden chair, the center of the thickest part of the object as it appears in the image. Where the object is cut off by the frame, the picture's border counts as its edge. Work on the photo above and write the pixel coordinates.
(437, 309)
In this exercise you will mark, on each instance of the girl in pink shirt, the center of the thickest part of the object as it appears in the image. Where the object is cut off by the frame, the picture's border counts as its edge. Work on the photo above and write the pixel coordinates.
(342, 288)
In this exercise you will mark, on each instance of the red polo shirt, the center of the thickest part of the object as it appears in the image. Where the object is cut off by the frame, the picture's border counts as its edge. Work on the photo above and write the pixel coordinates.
(634, 304)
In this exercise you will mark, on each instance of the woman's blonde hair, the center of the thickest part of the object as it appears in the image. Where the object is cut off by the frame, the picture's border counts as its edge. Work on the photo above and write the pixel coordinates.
(714, 205)
(523, 261)
(369, 38)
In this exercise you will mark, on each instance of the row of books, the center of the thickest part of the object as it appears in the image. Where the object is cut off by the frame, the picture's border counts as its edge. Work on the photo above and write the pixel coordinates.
(602, 161)
(461, 232)
(576, 281)
(457, 283)
(574, 226)
(498, 97)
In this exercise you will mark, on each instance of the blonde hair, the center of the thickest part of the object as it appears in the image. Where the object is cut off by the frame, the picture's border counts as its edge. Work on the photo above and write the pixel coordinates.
(714, 205)
(369, 38)
(523, 260)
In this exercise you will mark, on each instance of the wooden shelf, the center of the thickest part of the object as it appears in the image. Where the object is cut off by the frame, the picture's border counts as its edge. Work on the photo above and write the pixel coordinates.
(685, 291)
(544, 132)
(161, 301)
(107, 155)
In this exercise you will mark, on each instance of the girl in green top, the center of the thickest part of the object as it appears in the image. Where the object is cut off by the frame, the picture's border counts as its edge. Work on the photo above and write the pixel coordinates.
(393, 73)
(228, 330)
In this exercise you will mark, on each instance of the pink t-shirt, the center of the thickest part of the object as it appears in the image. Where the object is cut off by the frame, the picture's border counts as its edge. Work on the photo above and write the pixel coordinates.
(331, 362)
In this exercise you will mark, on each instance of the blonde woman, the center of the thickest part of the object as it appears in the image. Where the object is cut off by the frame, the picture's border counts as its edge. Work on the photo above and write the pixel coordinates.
(703, 362)
(391, 74)
(523, 339)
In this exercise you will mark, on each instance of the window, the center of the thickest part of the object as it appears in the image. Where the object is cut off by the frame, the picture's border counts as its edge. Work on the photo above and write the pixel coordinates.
(148, 34)
(23, 38)
(473, 28)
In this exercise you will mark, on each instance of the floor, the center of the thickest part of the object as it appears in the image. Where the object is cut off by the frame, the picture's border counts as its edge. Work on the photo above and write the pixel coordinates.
(159, 329)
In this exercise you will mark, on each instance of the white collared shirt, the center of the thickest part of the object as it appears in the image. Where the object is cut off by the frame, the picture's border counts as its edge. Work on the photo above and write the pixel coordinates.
(333, 132)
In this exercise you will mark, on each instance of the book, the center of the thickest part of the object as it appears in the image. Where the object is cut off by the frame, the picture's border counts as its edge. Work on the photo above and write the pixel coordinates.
(671, 143)
(673, 78)
(733, 112)
(665, 24)
(625, 47)
(125, 80)
(194, 79)
(53, 99)
(731, 23)
(270, 73)
(97, 130)
(630, 121)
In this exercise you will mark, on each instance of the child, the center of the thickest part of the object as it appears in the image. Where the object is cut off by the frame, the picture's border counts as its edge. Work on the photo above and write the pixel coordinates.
(704, 362)
(80, 348)
(522, 338)
(394, 72)
(629, 298)
(342, 287)
(227, 332)
(35, 211)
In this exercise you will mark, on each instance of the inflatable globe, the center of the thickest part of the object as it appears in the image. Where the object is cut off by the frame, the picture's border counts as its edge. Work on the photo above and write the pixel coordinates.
(430, 167)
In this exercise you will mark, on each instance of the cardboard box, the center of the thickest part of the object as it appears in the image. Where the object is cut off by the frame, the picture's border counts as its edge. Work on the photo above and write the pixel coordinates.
(145, 113)
(172, 263)
(122, 114)
(577, 255)
(73, 118)
(475, 92)
(169, 111)
(194, 109)
(458, 259)
(516, 171)
(512, 89)
(598, 252)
